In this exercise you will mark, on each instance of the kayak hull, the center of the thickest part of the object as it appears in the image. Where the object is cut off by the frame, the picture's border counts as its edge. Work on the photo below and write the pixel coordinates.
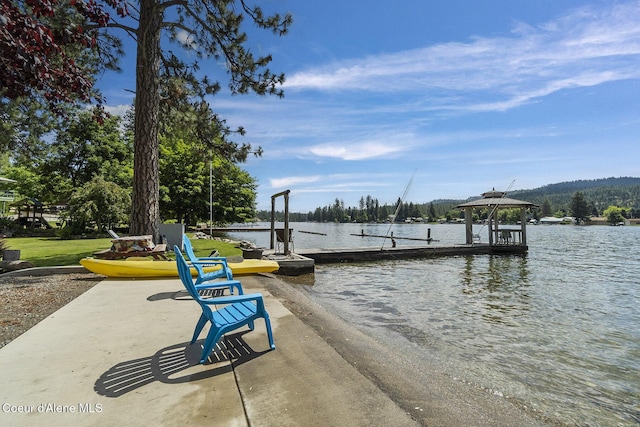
(137, 268)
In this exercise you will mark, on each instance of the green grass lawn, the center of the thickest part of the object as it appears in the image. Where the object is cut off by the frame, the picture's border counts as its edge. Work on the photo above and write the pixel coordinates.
(51, 251)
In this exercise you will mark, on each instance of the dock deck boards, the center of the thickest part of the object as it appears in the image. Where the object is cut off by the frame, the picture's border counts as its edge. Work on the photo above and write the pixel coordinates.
(321, 256)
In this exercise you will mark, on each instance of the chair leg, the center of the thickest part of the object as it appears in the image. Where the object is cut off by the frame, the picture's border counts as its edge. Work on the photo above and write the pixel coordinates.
(199, 326)
(212, 338)
(267, 324)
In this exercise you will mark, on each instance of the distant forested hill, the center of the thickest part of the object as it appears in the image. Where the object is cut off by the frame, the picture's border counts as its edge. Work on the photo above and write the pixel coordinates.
(601, 193)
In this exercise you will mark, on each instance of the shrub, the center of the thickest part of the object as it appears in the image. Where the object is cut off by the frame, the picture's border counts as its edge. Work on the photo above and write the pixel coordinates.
(98, 203)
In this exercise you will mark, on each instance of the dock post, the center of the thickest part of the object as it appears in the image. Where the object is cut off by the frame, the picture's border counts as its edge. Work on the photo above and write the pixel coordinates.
(523, 225)
(468, 225)
(286, 219)
(273, 222)
(286, 223)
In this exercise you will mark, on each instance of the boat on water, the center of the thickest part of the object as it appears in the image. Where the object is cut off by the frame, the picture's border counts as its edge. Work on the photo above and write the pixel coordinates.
(146, 268)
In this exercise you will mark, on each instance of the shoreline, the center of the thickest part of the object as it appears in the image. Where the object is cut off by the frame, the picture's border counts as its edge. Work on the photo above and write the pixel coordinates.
(427, 395)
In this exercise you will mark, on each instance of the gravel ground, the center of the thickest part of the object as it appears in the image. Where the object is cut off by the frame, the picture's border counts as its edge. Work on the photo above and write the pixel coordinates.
(27, 300)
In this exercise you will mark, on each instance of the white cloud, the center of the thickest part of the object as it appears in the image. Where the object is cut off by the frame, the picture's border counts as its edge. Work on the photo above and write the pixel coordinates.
(117, 110)
(292, 180)
(358, 151)
(585, 48)
(338, 182)
(185, 39)
(347, 187)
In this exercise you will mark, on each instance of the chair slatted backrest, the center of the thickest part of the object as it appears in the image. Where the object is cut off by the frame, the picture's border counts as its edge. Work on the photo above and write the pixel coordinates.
(225, 270)
(185, 274)
(280, 234)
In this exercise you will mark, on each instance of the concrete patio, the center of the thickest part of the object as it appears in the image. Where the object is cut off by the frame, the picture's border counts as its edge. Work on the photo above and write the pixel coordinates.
(119, 355)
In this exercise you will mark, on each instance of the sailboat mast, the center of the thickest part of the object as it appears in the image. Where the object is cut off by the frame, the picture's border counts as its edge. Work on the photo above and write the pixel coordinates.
(395, 215)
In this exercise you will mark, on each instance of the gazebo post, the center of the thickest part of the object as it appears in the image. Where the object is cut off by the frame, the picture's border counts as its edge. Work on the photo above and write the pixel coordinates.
(523, 226)
(493, 228)
(468, 221)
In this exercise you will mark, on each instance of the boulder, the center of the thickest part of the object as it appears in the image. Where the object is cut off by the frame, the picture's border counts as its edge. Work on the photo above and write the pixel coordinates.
(14, 265)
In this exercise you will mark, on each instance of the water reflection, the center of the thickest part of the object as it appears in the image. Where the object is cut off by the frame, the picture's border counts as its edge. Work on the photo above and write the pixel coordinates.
(496, 288)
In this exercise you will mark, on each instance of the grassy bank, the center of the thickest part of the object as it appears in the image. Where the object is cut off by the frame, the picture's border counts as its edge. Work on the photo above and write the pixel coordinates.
(51, 251)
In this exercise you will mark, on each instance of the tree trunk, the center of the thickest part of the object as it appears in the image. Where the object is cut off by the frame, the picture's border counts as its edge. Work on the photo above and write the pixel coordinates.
(145, 209)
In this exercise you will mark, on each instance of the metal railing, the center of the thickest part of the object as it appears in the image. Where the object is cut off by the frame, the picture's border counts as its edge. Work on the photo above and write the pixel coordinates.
(7, 195)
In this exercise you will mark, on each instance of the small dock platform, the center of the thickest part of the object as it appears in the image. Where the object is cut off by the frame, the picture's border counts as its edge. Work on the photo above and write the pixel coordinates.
(292, 264)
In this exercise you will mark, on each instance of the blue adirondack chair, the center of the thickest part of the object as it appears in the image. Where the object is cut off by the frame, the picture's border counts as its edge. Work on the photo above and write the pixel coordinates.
(209, 280)
(237, 311)
(200, 262)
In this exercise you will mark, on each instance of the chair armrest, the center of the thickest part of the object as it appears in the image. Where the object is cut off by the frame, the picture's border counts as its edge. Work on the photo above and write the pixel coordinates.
(208, 261)
(231, 299)
(214, 258)
(217, 260)
(212, 262)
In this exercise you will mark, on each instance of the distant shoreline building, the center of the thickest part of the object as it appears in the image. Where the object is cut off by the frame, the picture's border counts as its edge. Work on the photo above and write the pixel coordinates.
(554, 220)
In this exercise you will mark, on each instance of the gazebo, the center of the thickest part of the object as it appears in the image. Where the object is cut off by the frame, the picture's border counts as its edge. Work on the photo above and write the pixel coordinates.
(6, 195)
(513, 237)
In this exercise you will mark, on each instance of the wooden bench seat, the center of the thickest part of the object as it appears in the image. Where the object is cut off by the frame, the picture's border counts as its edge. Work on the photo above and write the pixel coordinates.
(157, 253)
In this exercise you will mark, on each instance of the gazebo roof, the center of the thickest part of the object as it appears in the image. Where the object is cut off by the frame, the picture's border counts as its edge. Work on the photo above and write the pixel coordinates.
(496, 198)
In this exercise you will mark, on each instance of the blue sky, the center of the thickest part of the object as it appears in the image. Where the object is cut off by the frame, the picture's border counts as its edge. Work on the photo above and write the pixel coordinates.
(464, 96)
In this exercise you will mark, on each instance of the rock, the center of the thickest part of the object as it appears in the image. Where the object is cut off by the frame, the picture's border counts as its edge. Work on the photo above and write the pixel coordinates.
(14, 265)
(245, 244)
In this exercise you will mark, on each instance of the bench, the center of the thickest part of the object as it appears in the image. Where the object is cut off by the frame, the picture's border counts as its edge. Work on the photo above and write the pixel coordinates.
(158, 253)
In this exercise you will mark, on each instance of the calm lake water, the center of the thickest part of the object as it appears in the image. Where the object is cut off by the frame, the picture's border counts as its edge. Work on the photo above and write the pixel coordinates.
(556, 330)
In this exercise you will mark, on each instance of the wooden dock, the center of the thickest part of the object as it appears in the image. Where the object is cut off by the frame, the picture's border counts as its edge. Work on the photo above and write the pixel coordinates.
(326, 256)
(303, 261)
(392, 237)
(230, 229)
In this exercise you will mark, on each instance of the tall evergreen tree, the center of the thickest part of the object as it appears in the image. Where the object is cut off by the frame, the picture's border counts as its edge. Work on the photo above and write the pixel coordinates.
(213, 29)
(579, 207)
(432, 212)
(546, 208)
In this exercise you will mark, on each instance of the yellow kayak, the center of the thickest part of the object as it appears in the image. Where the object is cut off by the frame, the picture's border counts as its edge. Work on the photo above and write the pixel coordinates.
(134, 268)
